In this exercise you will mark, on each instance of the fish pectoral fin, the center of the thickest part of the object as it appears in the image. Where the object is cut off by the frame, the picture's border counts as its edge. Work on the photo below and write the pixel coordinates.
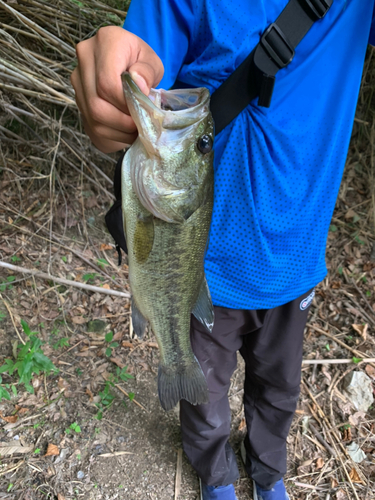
(138, 320)
(143, 238)
(203, 309)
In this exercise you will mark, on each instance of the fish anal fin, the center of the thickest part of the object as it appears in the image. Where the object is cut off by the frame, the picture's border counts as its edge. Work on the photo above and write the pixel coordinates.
(138, 320)
(203, 309)
(184, 382)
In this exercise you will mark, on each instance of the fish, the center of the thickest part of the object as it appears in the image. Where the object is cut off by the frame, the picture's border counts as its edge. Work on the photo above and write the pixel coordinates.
(167, 183)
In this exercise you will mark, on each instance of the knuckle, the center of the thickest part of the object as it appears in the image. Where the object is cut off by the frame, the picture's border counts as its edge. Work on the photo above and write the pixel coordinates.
(95, 111)
(103, 86)
(80, 49)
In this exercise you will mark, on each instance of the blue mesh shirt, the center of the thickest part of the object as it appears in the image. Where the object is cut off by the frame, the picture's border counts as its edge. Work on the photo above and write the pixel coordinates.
(277, 169)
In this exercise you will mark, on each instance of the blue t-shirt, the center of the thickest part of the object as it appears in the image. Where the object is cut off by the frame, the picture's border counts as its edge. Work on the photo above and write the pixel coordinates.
(277, 169)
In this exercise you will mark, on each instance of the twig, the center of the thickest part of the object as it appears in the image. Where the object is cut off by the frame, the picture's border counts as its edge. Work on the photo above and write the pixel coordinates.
(359, 307)
(76, 284)
(359, 354)
(11, 317)
(310, 486)
(363, 296)
(177, 486)
(116, 454)
(334, 361)
(331, 430)
(56, 240)
(70, 348)
(321, 440)
(127, 395)
(6, 471)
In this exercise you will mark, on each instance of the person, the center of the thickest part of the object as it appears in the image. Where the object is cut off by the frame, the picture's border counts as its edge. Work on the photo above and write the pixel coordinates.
(277, 175)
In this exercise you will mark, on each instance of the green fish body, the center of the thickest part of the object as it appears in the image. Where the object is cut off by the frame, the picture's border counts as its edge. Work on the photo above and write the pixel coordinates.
(167, 198)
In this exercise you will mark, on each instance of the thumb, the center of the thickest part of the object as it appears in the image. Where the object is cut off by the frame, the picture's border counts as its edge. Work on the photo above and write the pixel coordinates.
(140, 81)
(146, 76)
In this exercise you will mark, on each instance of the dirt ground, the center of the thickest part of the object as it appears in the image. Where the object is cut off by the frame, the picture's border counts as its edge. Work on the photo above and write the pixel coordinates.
(89, 431)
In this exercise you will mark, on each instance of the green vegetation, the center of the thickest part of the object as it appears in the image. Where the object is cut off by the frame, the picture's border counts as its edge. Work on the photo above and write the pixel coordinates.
(74, 427)
(28, 360)
(106, 396)
(6, 284)
(112, 345)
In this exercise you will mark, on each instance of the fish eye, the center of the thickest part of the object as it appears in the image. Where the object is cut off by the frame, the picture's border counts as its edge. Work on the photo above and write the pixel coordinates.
(204, 144)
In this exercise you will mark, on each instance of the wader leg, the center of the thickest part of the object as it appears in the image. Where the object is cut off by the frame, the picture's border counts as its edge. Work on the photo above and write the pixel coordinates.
(206, 428)
(273, 357)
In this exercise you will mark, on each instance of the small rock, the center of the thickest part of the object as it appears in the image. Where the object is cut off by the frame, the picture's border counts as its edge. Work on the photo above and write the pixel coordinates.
(63, 454)
(357, 455)
(358, 389)
(80, 474)
(97, 326)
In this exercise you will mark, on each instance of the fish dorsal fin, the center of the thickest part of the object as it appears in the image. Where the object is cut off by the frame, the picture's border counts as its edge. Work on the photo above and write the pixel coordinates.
(143, 237)
(203, 309)
(138, 320)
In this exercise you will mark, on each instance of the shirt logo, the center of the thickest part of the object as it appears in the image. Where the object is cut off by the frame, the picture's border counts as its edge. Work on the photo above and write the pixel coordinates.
(307, 301)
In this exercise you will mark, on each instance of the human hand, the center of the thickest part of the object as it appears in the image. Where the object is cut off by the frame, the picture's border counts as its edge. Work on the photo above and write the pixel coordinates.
(98, 87)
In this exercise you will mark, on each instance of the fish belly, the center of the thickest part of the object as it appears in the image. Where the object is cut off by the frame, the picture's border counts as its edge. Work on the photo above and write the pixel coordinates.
(166, 274)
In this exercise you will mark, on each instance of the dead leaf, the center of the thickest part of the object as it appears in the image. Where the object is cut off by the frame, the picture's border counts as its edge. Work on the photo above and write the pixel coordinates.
(319, 463)
(106, 286)
(306, 463)
(104, 246)
(78, 320)
(152, 344)
(11, 420)
(350, 214)
(62, 384)
(60, 496)
(356, 417)
(118, 362)
(52, 450)
(341, 495)
(12, 448)
(117, 335)
(353, 474)
(370, 370)
(21, 411)
(326, 373)
(125, 343)
(334, 483)
(91, 395)
(361, 329)
(242, 425)
(86, 354)
(91, 202)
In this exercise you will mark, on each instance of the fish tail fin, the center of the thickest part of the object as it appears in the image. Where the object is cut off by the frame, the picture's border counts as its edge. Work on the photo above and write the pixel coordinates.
(187, 382)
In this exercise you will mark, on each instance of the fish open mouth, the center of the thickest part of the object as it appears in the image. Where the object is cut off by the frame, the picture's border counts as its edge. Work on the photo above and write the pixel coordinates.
(176, 100)
(167, 109)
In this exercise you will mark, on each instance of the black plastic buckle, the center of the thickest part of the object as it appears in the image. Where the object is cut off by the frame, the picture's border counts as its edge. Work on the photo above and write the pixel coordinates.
(316, 9)
(277, 46)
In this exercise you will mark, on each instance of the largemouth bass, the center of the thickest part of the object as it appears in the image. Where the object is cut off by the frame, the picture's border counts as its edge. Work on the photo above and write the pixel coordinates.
(167, 198)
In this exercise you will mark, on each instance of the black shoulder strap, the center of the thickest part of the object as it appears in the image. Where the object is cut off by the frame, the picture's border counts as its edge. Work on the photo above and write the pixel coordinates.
(255, 77)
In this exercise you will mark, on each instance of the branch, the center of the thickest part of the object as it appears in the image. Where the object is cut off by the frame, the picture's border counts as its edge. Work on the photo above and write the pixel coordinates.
(76, 284)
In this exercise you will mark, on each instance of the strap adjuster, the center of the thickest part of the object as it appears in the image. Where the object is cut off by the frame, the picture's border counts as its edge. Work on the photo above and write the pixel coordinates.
(316, 9)
(277, 46)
